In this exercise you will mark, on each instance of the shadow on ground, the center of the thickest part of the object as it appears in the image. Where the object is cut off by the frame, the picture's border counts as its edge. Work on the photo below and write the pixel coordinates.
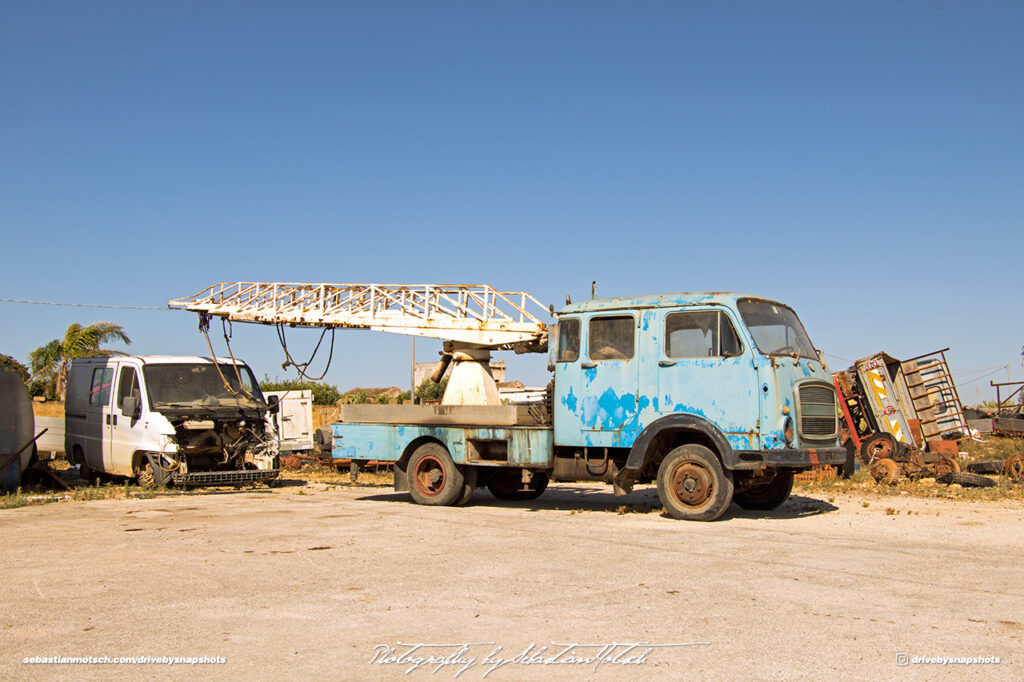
(642, 501)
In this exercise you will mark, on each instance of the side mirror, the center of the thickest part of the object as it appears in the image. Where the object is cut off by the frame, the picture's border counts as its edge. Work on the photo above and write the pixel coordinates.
(130, 407)
(273, 404)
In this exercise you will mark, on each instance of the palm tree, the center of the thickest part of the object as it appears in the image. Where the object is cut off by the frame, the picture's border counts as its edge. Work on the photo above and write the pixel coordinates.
(50, 363)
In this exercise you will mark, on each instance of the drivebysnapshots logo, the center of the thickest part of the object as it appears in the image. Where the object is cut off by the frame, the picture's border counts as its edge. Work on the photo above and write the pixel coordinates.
(907, 659)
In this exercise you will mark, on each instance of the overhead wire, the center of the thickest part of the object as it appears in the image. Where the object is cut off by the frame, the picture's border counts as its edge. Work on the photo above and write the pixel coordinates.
(983, 376)
(82, 305)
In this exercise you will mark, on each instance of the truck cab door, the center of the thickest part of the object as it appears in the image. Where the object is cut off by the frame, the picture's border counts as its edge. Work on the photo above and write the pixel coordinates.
(597, 402)
(704, 369)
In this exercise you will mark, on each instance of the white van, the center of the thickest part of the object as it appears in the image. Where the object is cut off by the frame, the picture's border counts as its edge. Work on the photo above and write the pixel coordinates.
(169, 419)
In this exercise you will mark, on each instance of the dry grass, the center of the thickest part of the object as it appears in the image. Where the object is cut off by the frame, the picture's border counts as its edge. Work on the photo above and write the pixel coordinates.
(991, 449)
(121, 489)
(321, 473)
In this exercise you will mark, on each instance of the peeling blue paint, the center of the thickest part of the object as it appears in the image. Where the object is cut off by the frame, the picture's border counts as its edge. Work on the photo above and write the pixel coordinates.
(569, 400)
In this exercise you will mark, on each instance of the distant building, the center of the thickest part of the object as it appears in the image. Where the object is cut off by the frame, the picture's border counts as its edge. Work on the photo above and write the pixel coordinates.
(423, 370)
(374, 395)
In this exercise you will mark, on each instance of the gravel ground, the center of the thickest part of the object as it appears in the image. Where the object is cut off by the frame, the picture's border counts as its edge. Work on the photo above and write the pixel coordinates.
(326, 580)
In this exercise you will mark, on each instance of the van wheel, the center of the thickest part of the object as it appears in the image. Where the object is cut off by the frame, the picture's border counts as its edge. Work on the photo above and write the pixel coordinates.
(766, 495)
(84, 471)
(145, 476)
(692, 484)
(434, 478)
(148, 477)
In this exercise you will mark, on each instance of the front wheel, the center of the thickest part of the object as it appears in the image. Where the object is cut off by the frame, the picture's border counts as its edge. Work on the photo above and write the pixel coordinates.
(692, 484)
(766, 495)
(434, 478)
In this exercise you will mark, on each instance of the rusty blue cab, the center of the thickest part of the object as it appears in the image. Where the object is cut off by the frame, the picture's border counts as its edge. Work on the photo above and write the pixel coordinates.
(739, 368)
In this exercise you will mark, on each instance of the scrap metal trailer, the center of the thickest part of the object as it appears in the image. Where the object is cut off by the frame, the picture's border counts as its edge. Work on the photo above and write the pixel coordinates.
(902, 417)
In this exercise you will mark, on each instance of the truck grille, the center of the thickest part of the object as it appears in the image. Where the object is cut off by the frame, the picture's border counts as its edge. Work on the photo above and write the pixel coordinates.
(816, 410)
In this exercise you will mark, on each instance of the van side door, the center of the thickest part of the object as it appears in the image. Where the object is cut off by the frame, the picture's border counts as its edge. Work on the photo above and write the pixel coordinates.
(127, 426)
(97, 416)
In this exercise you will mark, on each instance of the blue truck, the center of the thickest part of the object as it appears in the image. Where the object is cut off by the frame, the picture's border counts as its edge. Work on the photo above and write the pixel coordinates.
(715, 397)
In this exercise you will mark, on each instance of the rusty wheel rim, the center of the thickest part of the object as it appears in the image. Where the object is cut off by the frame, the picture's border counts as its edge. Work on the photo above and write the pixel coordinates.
(884, 471)
(880, 449)
(1014, 467)
(429, 476)
(692, 484)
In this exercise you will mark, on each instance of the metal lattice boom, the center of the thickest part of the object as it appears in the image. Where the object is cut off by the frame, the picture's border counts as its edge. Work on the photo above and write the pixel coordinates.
(469, 313)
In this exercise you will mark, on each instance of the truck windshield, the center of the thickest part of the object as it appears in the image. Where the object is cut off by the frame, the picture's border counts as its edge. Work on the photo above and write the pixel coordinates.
(190, 384)
(776, 329)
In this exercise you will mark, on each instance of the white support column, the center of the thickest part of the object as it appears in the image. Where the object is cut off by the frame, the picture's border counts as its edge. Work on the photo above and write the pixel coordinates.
(471, 382)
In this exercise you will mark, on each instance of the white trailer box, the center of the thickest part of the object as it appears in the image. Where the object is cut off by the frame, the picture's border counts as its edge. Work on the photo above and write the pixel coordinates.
(294, 420)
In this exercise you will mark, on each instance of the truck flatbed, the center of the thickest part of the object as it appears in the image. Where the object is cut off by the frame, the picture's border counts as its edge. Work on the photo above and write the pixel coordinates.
(447, 415)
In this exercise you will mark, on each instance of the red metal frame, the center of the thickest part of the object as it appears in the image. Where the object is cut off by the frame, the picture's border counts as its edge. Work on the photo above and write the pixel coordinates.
(850, 428)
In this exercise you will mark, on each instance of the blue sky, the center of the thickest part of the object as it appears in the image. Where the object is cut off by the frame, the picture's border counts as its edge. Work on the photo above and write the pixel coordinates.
(863, 162)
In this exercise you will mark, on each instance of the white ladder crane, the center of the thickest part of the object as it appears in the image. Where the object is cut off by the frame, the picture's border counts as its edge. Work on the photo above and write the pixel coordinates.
(473, 319)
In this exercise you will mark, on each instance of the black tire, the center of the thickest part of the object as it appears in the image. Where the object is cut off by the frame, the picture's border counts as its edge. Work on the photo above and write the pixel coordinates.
(877, 446)
(767, 495)
(434, 478)
(150, 476)
(965, 479)
(507, 484)
(84, 470)
(468, 487)
(994, 468)
(692, 484)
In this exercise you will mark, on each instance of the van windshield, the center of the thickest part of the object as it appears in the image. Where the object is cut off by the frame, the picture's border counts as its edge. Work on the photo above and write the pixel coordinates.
(191, 384)
(776, 329)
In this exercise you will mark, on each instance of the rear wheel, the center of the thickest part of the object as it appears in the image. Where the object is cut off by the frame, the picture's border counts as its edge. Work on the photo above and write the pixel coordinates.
(507, 484)
(434, 478)
(84, 471)
(766, 495)
(692, 484)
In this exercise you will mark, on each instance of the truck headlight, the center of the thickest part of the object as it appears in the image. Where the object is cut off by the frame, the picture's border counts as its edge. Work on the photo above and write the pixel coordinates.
(788, 432)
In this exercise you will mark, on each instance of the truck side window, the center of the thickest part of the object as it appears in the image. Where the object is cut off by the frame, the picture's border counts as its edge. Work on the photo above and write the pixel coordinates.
(700, 335)
(127, 385)
(568, 340)
(611, 338)
(99, 393)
